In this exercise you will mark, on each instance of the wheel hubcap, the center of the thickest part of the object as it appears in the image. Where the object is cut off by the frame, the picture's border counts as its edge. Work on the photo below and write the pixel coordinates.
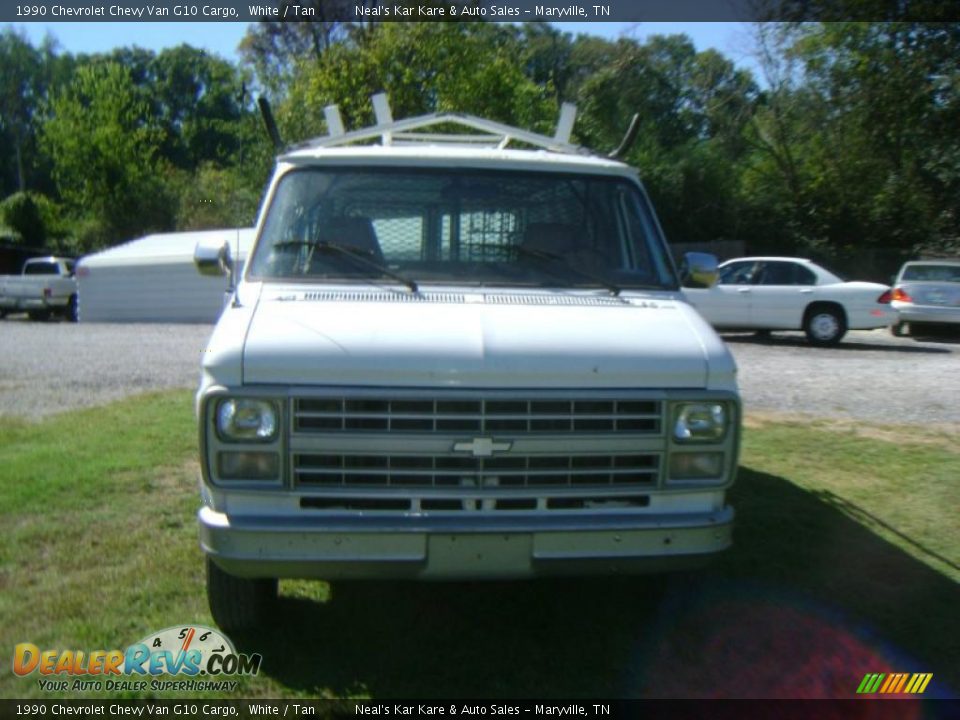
(824, 326)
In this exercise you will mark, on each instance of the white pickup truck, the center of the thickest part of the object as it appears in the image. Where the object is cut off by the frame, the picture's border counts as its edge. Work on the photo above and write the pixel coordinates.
(44, 288)
(447, 358)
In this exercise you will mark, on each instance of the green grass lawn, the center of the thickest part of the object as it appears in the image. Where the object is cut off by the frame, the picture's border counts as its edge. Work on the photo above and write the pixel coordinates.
(846, 561)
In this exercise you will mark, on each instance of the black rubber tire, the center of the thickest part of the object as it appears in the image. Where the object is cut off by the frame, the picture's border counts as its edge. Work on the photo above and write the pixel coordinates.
(239, 603)
(825, 324)
(39, 315)
(900, 329)
(73, 309)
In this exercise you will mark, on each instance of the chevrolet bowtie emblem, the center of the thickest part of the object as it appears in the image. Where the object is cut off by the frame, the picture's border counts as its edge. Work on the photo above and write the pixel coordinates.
(482, 447)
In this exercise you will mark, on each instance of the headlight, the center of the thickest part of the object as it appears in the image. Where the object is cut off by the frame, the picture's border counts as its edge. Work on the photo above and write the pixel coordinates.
(700, 422)
(247, 419)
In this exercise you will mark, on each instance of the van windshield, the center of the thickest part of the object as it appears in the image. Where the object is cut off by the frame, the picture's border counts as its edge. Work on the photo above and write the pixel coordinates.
(449, 226)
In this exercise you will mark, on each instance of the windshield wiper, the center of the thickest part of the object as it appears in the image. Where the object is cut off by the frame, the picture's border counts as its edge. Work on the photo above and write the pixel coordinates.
(364, 260)
(359, 257)
(544, 255)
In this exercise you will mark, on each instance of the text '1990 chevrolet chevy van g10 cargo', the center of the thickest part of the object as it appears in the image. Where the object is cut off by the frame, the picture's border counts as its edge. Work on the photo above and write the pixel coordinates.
(453, 358)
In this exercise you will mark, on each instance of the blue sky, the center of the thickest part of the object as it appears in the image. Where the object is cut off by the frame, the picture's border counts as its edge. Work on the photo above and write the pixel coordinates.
(732, 39)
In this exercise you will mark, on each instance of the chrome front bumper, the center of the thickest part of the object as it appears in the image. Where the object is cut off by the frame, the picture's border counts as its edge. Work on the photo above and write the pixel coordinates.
(437, 547)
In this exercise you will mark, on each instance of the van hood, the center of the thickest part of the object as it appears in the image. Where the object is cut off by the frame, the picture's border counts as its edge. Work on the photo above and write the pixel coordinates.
(542, 340)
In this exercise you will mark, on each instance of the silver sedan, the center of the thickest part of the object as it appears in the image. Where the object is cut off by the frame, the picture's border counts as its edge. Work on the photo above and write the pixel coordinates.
(926, 293)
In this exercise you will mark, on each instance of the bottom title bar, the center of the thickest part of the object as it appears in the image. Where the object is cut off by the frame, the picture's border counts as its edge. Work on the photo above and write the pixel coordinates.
(894, 709)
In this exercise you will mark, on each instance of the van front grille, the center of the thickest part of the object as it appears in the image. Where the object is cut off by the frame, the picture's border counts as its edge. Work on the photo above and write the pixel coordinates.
(439, 415)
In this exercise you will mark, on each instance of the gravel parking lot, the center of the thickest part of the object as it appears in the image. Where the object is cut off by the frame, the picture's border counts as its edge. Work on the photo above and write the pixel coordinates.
(871, 375)
(54, 366)
(50, 367)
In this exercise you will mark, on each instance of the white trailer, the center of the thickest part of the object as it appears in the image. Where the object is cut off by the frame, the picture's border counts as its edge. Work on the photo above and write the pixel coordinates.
(153, 279)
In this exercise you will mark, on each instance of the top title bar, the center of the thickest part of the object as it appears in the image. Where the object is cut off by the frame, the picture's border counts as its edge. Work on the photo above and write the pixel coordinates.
(478, 10)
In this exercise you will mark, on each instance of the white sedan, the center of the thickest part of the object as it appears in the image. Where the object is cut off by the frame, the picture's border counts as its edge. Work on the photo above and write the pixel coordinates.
(782, 293)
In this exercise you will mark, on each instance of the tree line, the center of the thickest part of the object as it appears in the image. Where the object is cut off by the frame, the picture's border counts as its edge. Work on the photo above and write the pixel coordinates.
(846, 142)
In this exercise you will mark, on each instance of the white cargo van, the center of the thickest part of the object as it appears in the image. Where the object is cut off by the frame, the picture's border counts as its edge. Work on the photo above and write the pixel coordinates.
(452, 358)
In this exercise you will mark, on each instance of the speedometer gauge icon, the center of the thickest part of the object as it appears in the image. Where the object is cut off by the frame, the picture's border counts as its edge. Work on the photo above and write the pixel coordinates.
(186, 646)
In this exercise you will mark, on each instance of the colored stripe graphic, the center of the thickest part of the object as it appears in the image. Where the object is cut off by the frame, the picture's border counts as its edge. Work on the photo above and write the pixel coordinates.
(891, 680)
(870, 683)
(894, 683)
(918, 683)
(898, 685)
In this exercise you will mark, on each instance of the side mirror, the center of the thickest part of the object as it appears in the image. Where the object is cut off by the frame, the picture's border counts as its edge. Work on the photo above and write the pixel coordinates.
(213, 261)
(699, 270)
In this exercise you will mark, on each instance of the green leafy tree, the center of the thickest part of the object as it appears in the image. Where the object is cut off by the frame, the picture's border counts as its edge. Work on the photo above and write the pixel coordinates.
(20, 213)
(893, 93)
(424, 67)
(105, 156)
(274, 48)
(857, 137)
(693, 109)
(216, 198)
(547, 57)
(26, 75)
(198, 100)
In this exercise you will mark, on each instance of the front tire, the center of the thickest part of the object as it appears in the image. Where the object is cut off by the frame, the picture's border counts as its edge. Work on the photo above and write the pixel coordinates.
(239, 603)
(825, 325)
(39, 315)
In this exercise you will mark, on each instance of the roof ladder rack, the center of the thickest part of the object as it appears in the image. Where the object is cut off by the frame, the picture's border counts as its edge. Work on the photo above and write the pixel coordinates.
(422, 129)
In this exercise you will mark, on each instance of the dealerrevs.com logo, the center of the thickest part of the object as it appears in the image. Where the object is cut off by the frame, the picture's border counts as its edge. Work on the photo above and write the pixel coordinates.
(188, 652)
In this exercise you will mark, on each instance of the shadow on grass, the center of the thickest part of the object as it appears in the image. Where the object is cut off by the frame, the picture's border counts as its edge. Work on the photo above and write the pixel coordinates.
(806, 603)
(865, 517)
